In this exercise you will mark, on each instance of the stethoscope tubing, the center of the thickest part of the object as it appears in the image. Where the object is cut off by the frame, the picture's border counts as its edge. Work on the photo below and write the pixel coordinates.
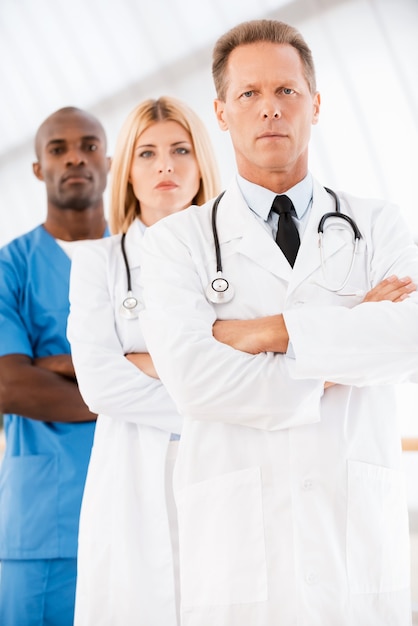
(125, 258)
(217, 288)
(129, 306)
(337, 213)
(215, 233)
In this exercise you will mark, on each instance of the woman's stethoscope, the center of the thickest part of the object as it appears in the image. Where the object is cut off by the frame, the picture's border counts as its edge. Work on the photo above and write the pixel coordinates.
(130, 306)
(220, 289)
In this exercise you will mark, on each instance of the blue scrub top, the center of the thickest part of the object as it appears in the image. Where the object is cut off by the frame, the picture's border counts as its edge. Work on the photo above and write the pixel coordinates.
(45, 464)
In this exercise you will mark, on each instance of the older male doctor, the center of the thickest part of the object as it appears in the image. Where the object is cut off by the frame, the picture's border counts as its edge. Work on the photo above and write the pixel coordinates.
(289, 484)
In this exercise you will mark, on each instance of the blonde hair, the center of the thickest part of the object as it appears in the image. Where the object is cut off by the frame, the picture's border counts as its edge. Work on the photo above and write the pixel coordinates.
(124, 206)
(255, 31)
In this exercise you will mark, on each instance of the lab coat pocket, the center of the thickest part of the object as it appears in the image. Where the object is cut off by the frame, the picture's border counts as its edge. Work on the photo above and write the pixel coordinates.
(222, 550)
(28, 495)
(377, 529)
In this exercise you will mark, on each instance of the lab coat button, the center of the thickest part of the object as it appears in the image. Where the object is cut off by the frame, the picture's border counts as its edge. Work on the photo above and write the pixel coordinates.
(311, 578)
(307, 484)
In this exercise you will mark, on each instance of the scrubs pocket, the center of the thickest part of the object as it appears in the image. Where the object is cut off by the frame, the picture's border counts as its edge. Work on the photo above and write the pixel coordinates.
(377, 529)
(28, 505)
(222, 550)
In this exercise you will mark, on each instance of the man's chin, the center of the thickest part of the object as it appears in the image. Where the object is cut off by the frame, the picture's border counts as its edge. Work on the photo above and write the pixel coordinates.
(74, 204)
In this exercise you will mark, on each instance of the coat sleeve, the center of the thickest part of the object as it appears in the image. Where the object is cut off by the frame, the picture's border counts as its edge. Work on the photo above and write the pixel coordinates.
(208, 379)
(371, 343)
(108, 382)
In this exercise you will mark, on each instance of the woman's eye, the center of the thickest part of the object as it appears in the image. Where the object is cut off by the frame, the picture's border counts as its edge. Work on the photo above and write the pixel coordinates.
(146, 154)
(182, 151)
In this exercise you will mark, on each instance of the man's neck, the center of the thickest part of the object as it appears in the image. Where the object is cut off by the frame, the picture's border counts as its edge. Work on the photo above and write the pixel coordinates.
(278, 180)
(71, 225)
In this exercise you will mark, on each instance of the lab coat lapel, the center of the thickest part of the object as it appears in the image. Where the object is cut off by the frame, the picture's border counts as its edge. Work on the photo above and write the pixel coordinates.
(236, 221)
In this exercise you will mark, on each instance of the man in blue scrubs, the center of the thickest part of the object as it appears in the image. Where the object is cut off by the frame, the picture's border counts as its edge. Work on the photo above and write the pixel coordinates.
(49, 430)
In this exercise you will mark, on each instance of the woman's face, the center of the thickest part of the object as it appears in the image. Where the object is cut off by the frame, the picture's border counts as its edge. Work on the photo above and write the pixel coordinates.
(164, 172)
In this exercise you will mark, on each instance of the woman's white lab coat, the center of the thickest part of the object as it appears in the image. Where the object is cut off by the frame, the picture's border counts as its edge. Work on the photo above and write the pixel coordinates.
(125, 560)
(291, 500)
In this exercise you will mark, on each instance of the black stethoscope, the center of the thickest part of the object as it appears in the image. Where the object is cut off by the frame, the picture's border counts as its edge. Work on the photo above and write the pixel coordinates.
(220, 289)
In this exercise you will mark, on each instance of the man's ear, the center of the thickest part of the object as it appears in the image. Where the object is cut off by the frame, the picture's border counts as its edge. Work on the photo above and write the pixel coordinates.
(316, 108)
(37, 170)
(219, 106)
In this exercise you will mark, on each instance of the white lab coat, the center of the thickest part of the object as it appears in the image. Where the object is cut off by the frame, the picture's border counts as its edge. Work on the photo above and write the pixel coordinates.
(126, 570)
(291, 500)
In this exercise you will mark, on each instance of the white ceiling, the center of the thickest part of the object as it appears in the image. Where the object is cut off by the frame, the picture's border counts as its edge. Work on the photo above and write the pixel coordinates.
(107, 55)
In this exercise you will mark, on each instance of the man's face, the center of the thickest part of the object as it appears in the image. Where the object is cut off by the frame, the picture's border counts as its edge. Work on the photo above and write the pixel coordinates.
(269, 111)
(72, 161)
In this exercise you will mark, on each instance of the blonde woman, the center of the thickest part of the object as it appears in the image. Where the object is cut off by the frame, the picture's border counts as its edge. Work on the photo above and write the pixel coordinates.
(128, 555)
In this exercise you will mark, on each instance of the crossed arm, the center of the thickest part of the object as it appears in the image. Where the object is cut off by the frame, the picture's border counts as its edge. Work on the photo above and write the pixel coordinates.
(43, 389)
(269, 334)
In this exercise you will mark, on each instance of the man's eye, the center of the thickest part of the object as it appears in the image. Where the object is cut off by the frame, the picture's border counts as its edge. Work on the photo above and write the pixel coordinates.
(92, 147)
(247, 94)
(288, 91)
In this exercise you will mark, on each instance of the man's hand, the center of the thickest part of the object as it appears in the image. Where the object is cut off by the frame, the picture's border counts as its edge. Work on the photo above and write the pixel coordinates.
(393, 289)
(43, 389)
(263, 334)
(59, 363)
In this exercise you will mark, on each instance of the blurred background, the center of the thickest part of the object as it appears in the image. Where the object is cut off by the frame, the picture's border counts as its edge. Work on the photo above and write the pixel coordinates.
(107, 55)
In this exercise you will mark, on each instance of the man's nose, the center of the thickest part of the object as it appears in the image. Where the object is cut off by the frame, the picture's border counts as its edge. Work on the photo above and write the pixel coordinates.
(75, 157)
(271, 109)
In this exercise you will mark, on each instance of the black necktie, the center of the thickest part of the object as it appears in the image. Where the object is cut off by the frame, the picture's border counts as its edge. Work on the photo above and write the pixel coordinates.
(287, 237)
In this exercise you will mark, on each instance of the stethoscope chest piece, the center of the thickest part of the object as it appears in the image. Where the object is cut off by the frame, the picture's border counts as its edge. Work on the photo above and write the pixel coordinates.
(129, 307)
(219, 290)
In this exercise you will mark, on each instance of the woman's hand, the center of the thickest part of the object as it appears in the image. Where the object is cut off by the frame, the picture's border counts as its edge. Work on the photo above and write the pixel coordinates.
(143, 361)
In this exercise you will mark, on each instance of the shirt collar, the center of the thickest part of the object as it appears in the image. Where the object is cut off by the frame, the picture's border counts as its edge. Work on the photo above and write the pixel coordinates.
(260, 199)
(140, 225)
